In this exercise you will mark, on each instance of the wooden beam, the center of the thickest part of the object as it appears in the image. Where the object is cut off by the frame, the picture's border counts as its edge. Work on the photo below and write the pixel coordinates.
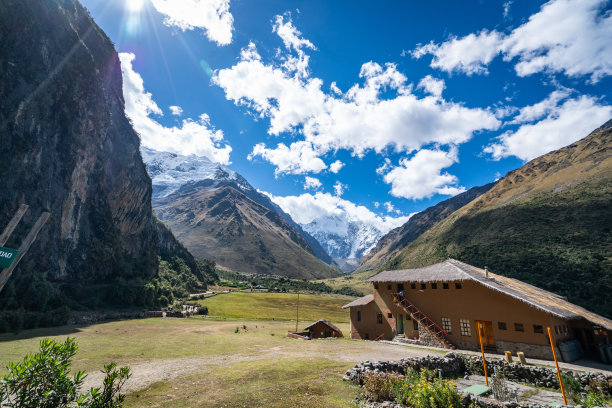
(25, 245)
(13, 224)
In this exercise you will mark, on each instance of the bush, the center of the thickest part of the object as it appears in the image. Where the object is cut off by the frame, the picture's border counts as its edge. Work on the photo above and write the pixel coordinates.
(572, 387)
(203, 310)
(380, 387)
(425, 391)
(42, 380)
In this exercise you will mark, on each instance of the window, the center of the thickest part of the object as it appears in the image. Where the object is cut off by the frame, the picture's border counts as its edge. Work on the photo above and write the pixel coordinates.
(556, 329)
(359, 315)
(423, 286)
(379, 318)
(465, 327)
(389, 315)
(519, 327)
(434, 286)
(376, 286)
(408, 317)
(446, 325)
(415, 325)
(413, 286)
(502, 326)
(400, 287)
(457, 285)
(445, 285)
(388, 287)
(537, 328)
(366, 336)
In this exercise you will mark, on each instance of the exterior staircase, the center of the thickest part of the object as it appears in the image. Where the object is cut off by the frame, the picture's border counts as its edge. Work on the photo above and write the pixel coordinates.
(424, 321)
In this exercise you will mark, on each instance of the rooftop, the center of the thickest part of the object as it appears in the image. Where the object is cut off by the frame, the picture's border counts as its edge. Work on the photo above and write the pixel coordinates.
(453, 270)
(362, 301)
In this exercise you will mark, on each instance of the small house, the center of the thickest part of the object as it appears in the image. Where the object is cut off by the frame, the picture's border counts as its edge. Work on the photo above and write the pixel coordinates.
(322, 329)
(450, 303)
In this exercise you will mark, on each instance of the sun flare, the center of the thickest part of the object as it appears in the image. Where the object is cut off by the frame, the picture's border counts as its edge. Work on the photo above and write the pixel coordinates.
(134, 6)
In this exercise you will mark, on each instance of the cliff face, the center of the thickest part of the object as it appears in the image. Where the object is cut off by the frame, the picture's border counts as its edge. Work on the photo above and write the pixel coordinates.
(67, 147)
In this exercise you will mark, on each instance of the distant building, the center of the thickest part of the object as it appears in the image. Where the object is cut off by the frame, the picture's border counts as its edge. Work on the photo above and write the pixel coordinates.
(444, 304)
(322, 329)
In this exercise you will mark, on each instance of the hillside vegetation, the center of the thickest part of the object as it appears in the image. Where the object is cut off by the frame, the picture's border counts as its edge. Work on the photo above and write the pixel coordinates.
(548, 223)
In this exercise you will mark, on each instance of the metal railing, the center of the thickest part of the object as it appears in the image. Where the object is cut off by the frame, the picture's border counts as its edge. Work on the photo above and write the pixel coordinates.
(423, 319)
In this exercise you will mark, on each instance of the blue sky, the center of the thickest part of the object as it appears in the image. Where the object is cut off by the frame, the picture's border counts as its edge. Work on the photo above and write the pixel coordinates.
(336, 105)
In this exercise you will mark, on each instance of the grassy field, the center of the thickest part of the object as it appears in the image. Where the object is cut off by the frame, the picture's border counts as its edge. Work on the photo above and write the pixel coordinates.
(278, 306)
(231, 360)
(356, 281)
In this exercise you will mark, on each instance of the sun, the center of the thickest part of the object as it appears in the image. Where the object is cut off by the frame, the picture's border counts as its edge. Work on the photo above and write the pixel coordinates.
(134, 6)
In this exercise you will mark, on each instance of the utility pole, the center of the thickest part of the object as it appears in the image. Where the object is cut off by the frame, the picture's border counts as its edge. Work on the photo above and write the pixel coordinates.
(297, 310)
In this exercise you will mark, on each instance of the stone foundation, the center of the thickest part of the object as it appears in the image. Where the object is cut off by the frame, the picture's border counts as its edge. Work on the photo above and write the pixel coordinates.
(530, 350)
(428, 339)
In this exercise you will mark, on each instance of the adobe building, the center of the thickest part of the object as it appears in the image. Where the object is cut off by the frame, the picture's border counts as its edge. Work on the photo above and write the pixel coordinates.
(442, 304)
(321, 329)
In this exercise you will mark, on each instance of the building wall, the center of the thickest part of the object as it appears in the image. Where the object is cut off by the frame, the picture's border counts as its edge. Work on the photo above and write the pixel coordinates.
(368, 327)
(472, 302)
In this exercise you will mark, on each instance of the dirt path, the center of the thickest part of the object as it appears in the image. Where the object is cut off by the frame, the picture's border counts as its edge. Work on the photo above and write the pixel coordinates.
(146, 373)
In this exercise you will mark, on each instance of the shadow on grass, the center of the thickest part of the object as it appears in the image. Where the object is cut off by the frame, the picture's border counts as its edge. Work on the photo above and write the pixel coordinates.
(41, 332)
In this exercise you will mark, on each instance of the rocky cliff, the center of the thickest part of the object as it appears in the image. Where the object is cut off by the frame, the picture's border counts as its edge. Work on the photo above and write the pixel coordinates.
(67, 147)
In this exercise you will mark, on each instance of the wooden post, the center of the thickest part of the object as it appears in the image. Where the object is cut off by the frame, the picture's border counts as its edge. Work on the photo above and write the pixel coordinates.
(297, 310)
(25, 245)
(12, 224)
(552, 346)
(484, 362)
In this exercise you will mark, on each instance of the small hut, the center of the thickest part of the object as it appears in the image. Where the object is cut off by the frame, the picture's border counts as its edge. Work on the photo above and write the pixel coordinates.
(322, 329)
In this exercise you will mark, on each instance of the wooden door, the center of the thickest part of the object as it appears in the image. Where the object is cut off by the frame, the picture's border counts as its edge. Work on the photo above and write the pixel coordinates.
(486, 331)
(400, 324)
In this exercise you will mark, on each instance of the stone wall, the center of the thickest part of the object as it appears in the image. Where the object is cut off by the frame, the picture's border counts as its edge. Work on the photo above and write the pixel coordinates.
(454, 363)
(530, 350)
(426, 338)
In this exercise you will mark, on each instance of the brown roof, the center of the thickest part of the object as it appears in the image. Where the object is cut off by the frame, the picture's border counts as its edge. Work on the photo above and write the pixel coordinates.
(326, 323)
(362, 301)
(453, 270)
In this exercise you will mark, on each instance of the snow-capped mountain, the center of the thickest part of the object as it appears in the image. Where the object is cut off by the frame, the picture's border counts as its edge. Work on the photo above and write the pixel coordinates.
(169, 171)
(342, 237)
(172, 173)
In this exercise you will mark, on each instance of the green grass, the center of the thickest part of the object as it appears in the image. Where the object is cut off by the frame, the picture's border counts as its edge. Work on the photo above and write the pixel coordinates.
(278, 306)
(265, 383)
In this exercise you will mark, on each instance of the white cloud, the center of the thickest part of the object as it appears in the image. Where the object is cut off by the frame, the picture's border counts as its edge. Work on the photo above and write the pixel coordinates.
(389, 207)
(359, 120)
(307, 207)
(213, 16)
(336, 166)
(340, 188)
(298, 158)
(470, 54)
(193, 137)
(176, 110)
(563, 125)
(421, 176)
(566, 36)
(432, 85)
(542, 108)
(312, 182)
(506, 6)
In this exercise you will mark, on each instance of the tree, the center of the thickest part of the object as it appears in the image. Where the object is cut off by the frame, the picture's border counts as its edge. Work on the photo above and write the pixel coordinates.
(43, 380)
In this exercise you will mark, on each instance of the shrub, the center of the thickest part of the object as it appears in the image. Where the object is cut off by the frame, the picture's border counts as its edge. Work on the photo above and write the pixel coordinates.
(380, 387)
(572, 387)
(42, 380)
(203, 310)
(421, 392)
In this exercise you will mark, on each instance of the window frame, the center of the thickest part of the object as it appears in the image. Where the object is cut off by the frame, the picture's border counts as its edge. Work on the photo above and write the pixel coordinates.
(458, 285)
(519, 327)
(538, 329)
(447, 325)
(358, 315)
(379, 318)
(502, 326)
(465, 327)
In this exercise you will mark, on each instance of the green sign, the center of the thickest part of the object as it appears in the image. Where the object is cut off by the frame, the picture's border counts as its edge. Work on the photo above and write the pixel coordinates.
(7, 256)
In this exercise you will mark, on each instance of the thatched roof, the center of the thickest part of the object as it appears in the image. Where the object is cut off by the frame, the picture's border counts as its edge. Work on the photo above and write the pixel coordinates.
(334, 328)
(453, 270)
(362, 301)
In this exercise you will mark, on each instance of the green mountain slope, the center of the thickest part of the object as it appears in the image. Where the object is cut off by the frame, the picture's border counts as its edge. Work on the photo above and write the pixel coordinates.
(548, 223)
